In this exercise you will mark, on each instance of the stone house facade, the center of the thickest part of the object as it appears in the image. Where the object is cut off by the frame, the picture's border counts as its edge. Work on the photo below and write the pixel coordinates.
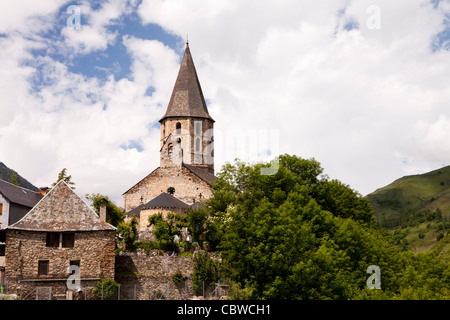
(59, 233)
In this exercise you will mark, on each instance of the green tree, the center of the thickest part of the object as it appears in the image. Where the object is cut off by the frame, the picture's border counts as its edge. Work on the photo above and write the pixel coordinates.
(106, 289)
(13, 179)
(298, 235)
(128, 231)
(206, 271)
(114, 214)
(165, 229)
(63, 176)
(196, 224)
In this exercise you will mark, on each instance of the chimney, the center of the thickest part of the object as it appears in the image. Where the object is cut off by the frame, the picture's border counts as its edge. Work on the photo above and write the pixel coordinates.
(43, 191)
(103, 212)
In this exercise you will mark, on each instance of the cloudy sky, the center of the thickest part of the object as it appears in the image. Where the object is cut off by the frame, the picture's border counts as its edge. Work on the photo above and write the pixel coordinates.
(361, 86)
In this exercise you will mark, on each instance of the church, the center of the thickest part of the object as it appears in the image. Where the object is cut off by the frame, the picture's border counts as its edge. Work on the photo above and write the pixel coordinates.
(186, 171)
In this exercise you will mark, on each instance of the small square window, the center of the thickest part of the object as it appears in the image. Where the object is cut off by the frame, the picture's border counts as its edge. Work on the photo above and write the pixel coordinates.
(52, 239)
(68, 240)
(43, 268)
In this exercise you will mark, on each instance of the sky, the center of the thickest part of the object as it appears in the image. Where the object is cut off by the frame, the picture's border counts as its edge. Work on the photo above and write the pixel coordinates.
(363, 87)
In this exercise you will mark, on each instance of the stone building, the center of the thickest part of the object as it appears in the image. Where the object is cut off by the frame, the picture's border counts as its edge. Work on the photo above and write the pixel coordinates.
(60, 232)
(186, 168)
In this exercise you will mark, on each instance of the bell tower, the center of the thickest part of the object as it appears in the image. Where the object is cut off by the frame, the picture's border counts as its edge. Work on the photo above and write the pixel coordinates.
(187, 129)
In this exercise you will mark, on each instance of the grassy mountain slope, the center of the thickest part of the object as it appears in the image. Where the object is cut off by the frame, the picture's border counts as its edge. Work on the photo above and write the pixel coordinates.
(416, 209)
(6, 173)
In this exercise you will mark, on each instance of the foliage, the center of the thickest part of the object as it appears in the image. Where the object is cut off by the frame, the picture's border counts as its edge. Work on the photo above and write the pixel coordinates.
(178, 277)
(13, 179)
(298, 235)
(62, 175)
(106, 289)
(114, 214)
(128, 231)
(196, 223)
(206, 271)
(166, 228)
(156, 295)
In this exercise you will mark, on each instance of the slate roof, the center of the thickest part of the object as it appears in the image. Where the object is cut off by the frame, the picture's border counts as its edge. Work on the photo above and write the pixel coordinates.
(201, 173)
(61, 210)
(187, 97)
(165, 200)
(19, 195)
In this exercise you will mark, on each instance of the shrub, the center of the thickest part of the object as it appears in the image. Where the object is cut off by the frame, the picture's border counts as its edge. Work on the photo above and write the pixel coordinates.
(178, 277)
(106, 289)
(206, 271)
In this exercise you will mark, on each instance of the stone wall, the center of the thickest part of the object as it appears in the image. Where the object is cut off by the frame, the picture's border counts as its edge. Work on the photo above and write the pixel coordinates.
(24, 249)
(187, 187)
(141, 276)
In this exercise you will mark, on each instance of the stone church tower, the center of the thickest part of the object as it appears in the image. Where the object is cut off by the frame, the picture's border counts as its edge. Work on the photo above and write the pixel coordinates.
(186, 168)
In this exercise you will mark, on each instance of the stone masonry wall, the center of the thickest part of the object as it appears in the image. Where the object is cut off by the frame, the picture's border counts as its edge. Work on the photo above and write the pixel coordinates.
(142, 275)
(24, 249)
(187, 187)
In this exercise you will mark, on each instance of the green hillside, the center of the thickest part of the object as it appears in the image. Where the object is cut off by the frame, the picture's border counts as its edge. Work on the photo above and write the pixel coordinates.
(416, 209)
(7, 173)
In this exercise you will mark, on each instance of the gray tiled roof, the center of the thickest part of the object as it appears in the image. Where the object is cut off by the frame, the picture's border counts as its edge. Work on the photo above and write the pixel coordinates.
(187, 97)
(165, 200)
(19, 195)
(61, 210)
(201, 173)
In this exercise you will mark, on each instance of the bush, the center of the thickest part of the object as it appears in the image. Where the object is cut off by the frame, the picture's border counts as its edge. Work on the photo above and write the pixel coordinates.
(206, 271)
(106, 289)
(178, 277)
(440, 236)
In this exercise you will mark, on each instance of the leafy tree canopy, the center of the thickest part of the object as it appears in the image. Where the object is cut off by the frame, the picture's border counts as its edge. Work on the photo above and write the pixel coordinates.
(299, 235)
(67, 179)
(114, 214)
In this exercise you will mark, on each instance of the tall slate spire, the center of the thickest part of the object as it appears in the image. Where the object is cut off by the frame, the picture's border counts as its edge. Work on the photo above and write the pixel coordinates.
(187, 97)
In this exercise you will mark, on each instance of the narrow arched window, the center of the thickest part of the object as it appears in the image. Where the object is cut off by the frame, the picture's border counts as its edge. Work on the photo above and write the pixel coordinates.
(169, 150)
(178, 128)
(197, 145)
(198, 128)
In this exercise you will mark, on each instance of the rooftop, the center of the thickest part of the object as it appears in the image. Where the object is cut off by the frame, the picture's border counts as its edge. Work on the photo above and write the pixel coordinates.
(61, 210)
(19, 195)
(187, 97)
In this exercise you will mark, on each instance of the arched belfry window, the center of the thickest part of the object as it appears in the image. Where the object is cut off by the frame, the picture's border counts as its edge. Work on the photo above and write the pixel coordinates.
(198, 128)
(197, 145)
(178, 128)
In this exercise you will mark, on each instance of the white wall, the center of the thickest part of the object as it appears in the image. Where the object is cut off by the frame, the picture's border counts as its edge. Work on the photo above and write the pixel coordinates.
(5, 213)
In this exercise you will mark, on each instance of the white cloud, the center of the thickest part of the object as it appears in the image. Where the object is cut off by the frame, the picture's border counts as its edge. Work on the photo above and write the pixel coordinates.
(348, 98)
(95, 34)
(371, 105)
